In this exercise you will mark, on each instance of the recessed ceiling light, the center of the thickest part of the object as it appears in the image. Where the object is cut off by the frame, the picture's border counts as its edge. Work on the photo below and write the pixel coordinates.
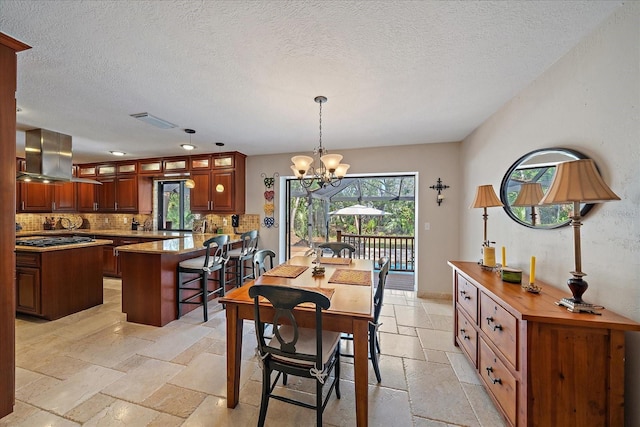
(153, 120)
(117, 153)
(188, 146)
(220, 144)
(18, 109)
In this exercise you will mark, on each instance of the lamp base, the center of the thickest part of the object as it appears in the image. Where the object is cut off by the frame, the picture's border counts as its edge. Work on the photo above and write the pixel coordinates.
(578, 287)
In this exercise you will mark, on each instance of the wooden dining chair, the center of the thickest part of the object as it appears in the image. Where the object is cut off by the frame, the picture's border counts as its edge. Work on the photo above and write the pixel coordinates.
(214, 259)
(338, 248)
(374, 343)
(263, 261)
(303, 352)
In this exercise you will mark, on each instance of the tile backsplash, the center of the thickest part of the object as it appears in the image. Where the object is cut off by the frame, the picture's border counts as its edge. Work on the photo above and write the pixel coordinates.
(35, 222)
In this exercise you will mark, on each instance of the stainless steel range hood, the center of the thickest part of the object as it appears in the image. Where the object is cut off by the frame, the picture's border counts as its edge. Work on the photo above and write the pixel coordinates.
(48, 158)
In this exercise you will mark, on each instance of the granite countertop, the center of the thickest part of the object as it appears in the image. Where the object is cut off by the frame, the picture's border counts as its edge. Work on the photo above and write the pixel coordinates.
(97, 242)
(159, 234)
(186, 244)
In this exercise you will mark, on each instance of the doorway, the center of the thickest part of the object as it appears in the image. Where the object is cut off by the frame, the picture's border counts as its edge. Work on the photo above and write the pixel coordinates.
(385, 227)
(174, 206)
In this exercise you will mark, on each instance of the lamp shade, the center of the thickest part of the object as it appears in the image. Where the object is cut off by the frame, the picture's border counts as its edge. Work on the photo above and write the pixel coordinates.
(578, 181)
(190, 183)
(331, 161)
(341, 170)
(485, 197)
(302, 164)
(530, 194)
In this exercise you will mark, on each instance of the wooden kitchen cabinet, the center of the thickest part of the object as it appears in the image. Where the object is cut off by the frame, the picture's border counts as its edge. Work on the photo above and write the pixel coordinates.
(64, 197)
(35, 197)
(38, 197)
(220, 189)
(150, 166)
(86, 197)
(541, 365)
(28, 284)
(117, 194)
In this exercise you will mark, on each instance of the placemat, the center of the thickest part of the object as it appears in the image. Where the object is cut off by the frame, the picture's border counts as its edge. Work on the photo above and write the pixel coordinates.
(286, 270)
(337, 261)
(351, 277)
(327, 292)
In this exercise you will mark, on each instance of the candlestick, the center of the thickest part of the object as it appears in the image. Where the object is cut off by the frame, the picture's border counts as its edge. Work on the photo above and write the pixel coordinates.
(504, 256)
(489, 256)
(532, 272)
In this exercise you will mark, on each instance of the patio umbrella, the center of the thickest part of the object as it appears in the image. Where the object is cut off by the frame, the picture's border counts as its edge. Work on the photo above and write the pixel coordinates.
(358, 211)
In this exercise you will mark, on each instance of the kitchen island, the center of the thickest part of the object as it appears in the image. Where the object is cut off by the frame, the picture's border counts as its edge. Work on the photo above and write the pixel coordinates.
(149, 277)
(55, 281)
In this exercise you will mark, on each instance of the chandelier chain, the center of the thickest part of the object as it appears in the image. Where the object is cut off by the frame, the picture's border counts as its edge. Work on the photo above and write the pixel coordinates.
(320, 127)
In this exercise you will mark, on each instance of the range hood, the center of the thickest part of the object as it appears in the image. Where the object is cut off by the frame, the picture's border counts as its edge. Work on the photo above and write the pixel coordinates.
(48, 158)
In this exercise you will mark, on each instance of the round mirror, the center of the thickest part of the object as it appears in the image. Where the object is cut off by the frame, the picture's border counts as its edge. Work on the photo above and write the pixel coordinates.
(526, 182)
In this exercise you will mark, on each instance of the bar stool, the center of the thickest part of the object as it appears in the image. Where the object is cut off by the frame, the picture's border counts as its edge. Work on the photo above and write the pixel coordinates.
(215, 259)
(241, 255)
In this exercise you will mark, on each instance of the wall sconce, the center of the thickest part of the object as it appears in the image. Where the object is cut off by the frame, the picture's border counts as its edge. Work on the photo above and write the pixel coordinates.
(439, 187)
(220, 188)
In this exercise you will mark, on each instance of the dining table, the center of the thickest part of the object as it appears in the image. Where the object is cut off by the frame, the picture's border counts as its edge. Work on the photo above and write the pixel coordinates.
(349, 284)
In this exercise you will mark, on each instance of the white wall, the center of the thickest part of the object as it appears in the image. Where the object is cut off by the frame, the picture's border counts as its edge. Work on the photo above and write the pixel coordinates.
(588, 101)
(431, 161)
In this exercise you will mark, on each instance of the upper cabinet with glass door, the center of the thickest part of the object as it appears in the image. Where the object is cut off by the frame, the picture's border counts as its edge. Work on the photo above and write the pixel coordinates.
(526, 182)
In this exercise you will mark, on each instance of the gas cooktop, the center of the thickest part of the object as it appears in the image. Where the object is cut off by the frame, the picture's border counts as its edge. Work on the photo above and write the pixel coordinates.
(53, 241)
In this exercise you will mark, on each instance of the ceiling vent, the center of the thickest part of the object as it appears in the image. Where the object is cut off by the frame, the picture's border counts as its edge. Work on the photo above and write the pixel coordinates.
(153, 120)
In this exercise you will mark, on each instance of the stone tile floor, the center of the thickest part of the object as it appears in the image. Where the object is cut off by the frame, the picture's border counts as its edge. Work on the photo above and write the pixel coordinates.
(95, 369)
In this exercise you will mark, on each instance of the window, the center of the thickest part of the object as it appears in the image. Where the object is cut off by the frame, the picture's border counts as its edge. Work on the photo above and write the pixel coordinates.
(174, 206)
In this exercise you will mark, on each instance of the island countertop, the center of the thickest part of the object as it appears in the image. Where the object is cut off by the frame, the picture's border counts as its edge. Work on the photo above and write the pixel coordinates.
(184, 245)
(97, 242)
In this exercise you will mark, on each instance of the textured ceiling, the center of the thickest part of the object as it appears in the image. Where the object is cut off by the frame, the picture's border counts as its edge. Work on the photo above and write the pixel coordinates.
(245, 72)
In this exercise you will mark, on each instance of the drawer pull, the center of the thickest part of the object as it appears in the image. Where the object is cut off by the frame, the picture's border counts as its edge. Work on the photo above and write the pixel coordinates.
(495, 327)
(493, 380)
(464, 295)
(464, 334)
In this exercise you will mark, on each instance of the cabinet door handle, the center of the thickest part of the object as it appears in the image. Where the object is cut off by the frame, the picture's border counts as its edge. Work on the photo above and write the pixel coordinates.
(464, 295)
(22, 205)
(463, 332)
(496, 326)
(116, 205)
(493, 380)
(53, 206)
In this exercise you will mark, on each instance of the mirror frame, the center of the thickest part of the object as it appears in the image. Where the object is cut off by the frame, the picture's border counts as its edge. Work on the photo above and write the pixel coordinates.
(504, 194)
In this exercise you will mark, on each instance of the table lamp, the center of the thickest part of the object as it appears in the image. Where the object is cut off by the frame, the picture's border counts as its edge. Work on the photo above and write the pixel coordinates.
(486, 198)
(579, 182)
(529, 196)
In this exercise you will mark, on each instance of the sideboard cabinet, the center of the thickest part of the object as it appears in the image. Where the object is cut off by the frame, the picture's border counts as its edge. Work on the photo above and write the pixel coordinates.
(542, 365)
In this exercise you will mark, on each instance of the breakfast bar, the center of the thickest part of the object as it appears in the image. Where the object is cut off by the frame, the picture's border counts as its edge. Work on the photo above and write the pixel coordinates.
(149, 278)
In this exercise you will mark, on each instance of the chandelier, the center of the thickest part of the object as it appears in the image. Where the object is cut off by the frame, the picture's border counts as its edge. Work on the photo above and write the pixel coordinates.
(329, 171)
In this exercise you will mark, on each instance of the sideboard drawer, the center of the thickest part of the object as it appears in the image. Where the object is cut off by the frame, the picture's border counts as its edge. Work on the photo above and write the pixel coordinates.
(467, 298)
(467, 336)
(499, 381)
(500, 327)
